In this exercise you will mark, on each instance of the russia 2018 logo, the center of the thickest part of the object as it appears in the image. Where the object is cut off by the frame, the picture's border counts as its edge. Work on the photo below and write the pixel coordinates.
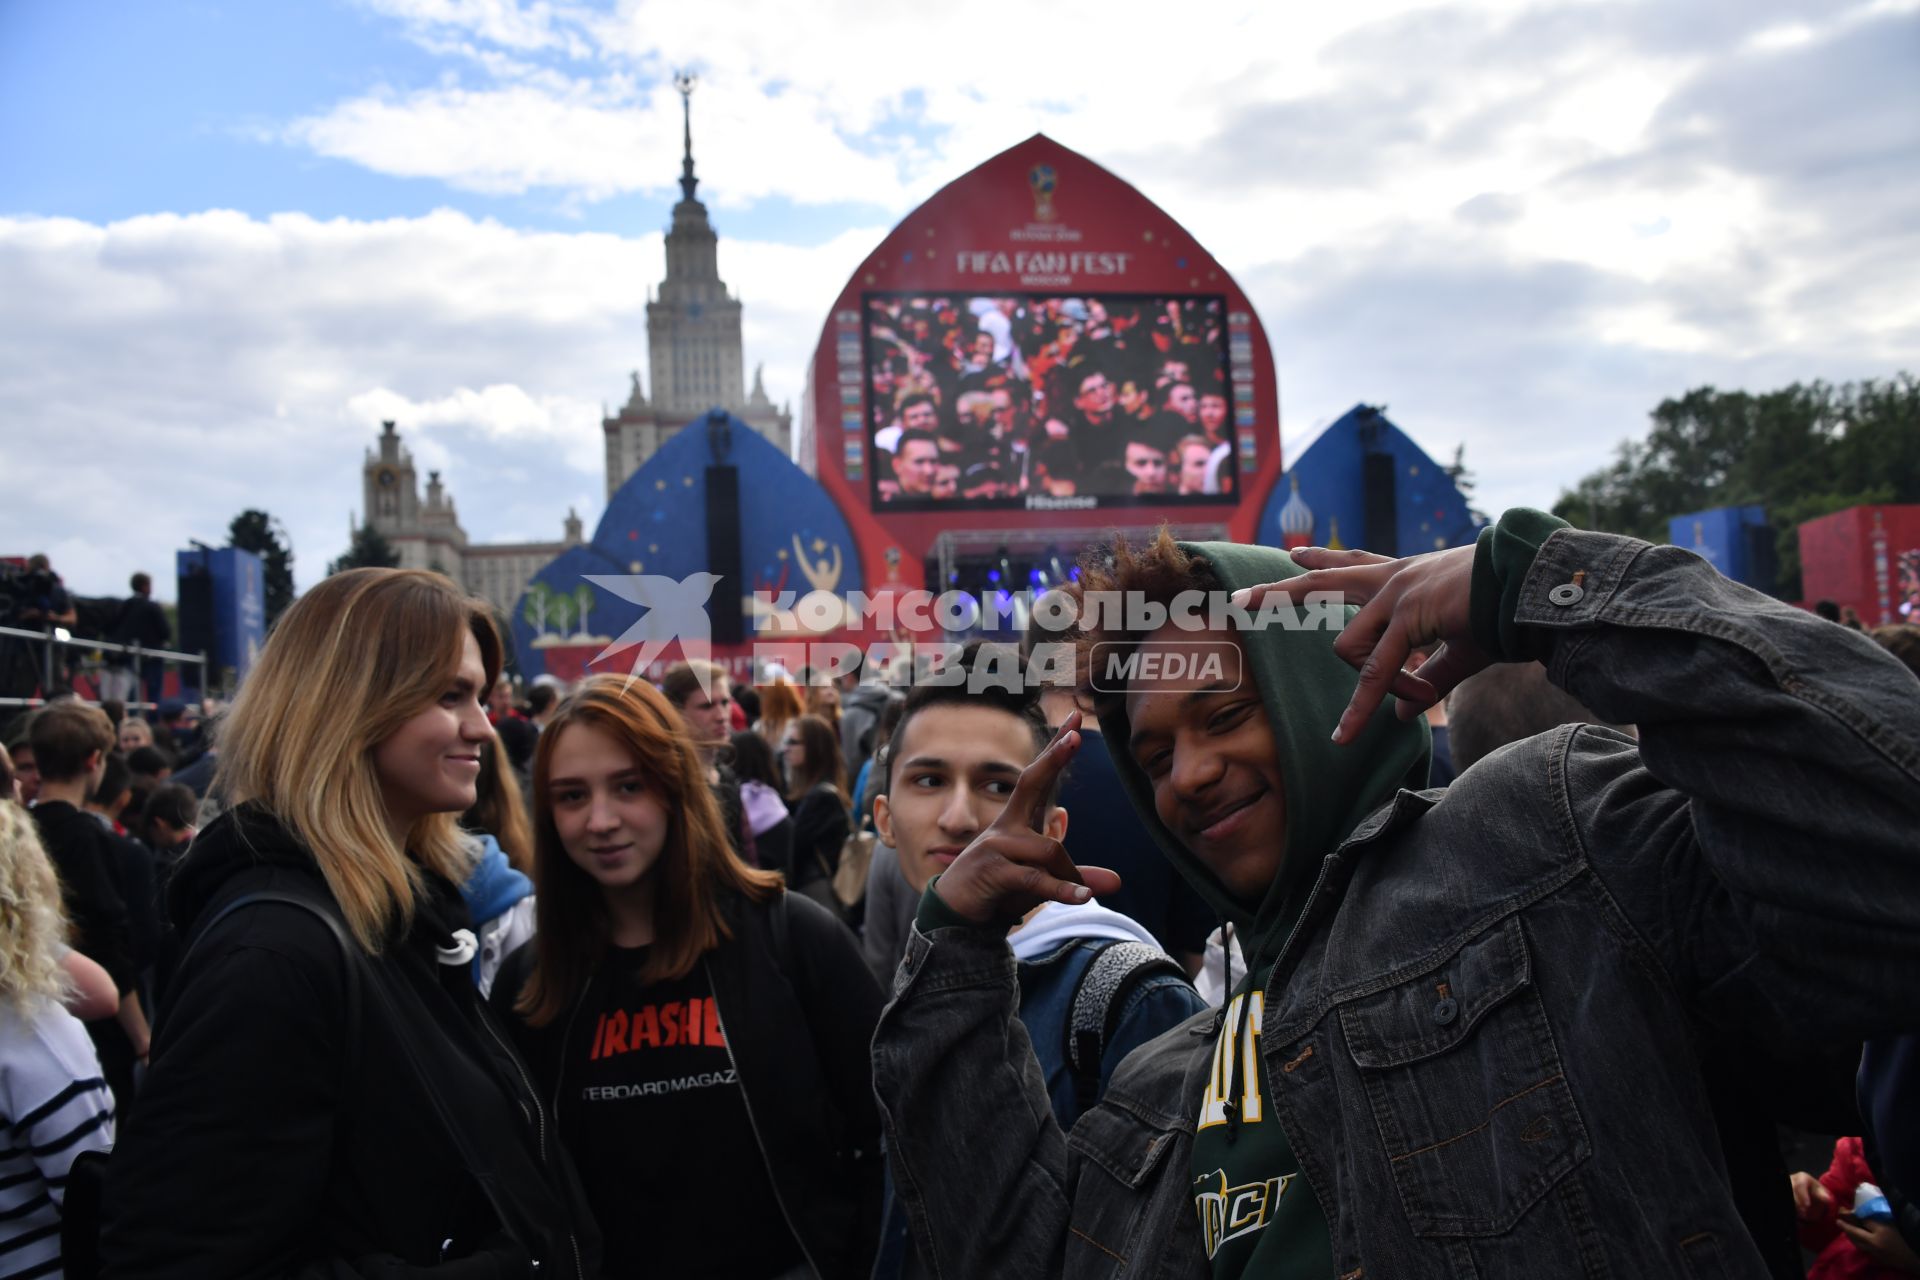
(1043, 180)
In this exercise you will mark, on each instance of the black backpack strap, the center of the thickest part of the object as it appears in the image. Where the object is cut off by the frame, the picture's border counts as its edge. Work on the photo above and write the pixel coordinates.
(478, 1166)
(1100, 1000)
(327, 915)
(82, 1210)
(357, 982)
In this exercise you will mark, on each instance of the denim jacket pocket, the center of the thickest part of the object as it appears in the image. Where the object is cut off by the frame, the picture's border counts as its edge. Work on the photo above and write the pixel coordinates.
(1466, 1088)
(1123, 1144)
(1106, 1229)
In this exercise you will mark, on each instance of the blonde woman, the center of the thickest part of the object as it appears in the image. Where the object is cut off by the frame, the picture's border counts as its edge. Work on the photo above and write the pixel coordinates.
(51, 1089)
(135, 733)
(327, 1094)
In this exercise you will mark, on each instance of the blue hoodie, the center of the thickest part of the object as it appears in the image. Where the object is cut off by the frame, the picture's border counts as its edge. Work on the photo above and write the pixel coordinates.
(493, 888)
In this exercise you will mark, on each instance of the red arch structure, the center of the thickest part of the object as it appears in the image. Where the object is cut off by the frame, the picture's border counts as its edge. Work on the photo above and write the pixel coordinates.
(1045, 225)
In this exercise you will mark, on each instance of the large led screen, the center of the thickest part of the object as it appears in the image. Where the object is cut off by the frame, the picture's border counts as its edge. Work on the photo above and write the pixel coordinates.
(1047, 402)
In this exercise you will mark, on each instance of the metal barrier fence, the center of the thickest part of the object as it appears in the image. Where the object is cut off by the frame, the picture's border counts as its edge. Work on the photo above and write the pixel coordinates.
(56, 638)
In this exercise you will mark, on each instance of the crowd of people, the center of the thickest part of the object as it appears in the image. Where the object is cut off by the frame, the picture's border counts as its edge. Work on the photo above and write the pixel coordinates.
(394, 968)
(983, 398)
(33, 597)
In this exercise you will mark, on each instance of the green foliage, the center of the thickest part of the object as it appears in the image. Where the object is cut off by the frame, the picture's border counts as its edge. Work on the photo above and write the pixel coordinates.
(367, 551)
(1463, 479)
(1801, 452)
(266, 537)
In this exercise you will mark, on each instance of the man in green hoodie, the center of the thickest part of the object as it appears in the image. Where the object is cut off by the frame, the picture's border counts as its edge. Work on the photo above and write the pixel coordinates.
(1464, 1047)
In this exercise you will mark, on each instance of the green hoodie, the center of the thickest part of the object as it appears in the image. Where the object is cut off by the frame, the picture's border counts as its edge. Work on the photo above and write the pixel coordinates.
(1258, 1216)
(1305, 686)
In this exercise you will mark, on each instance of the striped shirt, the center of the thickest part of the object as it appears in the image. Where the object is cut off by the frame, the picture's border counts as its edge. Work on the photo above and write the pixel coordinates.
(54, 1105)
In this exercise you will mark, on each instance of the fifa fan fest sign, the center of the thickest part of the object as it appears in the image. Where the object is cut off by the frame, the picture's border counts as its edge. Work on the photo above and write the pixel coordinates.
(1036, 357)
(1039, 350)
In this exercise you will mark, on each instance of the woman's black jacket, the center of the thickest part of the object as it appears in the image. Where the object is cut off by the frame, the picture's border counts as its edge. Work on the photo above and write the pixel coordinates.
(800, 1006)
(275, 1140)
(820, 827)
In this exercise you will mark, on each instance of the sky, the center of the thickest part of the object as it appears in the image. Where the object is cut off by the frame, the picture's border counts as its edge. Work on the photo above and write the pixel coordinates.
(236, 236)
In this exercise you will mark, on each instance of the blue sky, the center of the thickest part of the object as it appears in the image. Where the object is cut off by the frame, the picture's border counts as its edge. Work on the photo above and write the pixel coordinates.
(233, 237)
(114, 109)
(110, 110)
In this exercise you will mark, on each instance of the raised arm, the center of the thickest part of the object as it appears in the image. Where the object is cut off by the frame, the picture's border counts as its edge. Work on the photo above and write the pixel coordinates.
(1761, 834)
(1765, 836)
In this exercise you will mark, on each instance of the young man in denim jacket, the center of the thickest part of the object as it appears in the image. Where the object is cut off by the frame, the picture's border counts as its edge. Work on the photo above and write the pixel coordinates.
(955, 756)
(1093, 984)
(1466, 1046)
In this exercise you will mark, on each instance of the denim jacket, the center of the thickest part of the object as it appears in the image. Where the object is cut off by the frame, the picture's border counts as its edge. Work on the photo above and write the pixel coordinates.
(1481, 1036)
(1047, 984)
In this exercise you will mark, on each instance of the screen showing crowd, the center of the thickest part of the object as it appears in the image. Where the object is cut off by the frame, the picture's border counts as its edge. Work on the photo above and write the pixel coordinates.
(999, 399)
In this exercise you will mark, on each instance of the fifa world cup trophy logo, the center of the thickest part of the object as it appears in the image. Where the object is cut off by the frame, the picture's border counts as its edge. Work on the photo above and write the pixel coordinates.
(1043, 180)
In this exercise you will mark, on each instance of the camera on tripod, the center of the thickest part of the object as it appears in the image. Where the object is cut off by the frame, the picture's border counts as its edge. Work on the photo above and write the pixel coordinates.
(24, 590)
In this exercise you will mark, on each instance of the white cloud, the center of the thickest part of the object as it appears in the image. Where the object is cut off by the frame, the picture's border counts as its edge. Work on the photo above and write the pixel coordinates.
(498, 412)
(198, 365)
(523, 28)
(1518, 226)
(499, 141)
(877, 105)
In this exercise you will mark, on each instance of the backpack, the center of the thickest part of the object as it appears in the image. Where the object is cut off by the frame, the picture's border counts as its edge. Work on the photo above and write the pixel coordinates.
(81, 1217)
(1100, 1000)
(80, 1212)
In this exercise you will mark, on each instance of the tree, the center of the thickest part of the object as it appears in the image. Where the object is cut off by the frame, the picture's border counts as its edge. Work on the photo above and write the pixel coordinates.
(1800, 452)
(1463, 480)
(368, 550)
(583, 600)
(539, 600)
(266, 537)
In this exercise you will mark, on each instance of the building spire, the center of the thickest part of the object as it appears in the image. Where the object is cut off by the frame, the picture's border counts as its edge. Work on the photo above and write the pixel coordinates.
(684, 82)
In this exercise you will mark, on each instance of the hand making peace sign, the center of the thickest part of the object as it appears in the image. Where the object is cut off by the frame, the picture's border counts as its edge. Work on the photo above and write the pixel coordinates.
(1011, 868)
(1404, 605)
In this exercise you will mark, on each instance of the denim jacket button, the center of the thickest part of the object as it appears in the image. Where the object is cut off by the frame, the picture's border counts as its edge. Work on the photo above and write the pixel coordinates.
(1445, 1010)
(1565, 594)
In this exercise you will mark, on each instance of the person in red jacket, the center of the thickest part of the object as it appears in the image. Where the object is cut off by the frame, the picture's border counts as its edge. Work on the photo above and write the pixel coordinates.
(1849, 1248)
